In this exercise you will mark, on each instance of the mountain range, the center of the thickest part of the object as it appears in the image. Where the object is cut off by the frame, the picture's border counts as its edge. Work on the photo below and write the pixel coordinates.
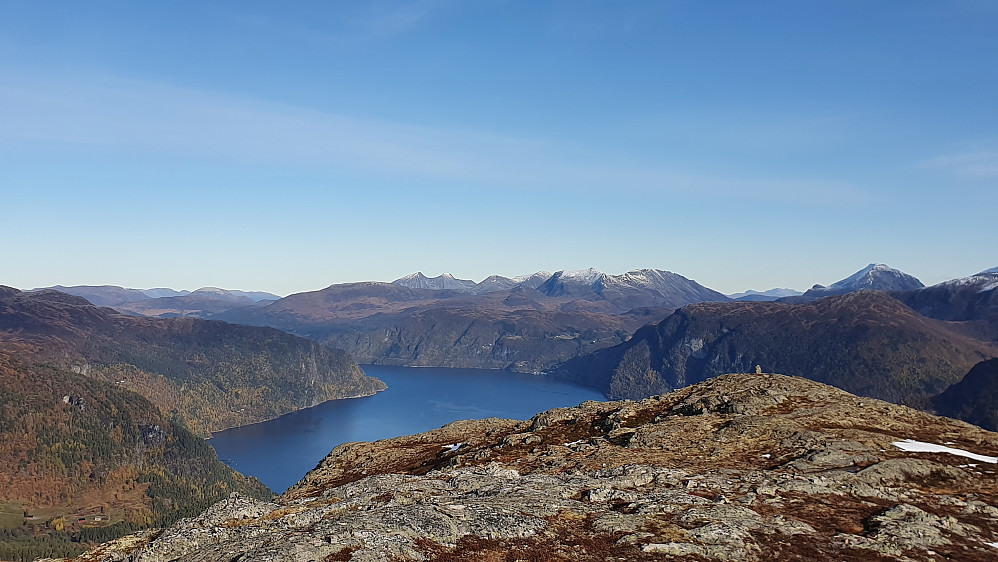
(167, 303)
(525, 324)
(528, 323)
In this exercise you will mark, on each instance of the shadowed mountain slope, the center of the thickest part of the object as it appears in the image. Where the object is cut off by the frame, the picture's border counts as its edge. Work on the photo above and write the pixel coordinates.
(864, 342)
(974, 398)
(972, 301)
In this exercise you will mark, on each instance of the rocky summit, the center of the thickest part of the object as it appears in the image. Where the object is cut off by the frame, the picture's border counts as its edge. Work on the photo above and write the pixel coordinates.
(740, 467)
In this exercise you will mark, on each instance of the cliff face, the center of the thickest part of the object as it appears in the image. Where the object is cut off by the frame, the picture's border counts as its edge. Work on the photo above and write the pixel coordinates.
(741, 467)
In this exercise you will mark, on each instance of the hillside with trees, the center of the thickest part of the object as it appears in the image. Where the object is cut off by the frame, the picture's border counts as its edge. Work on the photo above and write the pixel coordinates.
(84, 461)
(210, 374)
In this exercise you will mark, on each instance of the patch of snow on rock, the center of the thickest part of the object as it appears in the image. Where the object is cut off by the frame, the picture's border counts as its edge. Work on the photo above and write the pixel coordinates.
(913, 446)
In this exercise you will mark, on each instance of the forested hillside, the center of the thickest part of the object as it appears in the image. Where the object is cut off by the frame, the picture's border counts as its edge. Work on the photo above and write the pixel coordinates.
(212, 375)
(84, 461)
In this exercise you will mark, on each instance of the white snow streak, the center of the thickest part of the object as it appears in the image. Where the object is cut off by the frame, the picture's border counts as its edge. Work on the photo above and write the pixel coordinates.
(922, 447)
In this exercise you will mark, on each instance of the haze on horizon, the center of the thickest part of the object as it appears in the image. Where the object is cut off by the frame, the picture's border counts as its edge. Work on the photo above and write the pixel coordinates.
(285, 148)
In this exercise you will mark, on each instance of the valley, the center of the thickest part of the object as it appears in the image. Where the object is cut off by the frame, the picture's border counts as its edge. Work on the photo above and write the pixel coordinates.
(424, 280)
(197, 363)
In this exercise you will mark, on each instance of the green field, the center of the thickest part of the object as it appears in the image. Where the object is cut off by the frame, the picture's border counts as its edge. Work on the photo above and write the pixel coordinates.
(11, 515)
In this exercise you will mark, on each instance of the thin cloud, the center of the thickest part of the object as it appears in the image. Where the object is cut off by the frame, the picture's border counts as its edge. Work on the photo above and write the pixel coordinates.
(344, 25)
(379, 23)
(974, 165)
(128, 115)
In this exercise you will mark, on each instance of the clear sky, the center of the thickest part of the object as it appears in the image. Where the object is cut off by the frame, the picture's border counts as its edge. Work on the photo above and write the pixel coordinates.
(286, 146)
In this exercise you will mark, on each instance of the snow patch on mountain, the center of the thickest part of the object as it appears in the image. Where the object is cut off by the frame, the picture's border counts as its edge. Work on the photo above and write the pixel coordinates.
(913, 446)
(981, 282)
(525, 278)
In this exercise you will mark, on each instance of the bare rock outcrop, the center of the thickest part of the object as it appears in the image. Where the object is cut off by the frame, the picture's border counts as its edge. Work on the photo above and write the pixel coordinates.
(741, 467)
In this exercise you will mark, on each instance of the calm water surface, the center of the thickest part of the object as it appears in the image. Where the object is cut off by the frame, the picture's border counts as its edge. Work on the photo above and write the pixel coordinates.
(279, 452)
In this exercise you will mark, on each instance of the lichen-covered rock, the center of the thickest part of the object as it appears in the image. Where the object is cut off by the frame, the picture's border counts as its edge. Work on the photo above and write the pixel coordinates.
(743, 467)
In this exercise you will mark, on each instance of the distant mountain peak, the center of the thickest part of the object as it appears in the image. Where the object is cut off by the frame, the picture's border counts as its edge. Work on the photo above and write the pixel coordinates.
(876, 276)
(523, 278)
(590, 274)
(158, 292)
(211, 290)
(868, 276)
(444, 281)
(771, 294)
(232, 294)
(986, 271)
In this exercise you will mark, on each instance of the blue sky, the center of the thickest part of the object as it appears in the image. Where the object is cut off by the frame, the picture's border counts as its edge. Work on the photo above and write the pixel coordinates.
(289, 146)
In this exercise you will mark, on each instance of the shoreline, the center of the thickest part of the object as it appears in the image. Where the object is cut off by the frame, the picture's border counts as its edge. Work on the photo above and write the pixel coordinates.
(211, 433)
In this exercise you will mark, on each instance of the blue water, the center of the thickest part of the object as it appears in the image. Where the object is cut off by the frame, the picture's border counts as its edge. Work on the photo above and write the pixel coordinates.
(279, 452)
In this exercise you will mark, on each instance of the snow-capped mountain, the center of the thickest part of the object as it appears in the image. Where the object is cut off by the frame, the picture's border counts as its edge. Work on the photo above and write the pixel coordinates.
(494, 283)
(980, 282)
(444, 281)
(876, 276)
(573, 282)
(970, 298)
(770, 295)
(637, 287)
(490, 284)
